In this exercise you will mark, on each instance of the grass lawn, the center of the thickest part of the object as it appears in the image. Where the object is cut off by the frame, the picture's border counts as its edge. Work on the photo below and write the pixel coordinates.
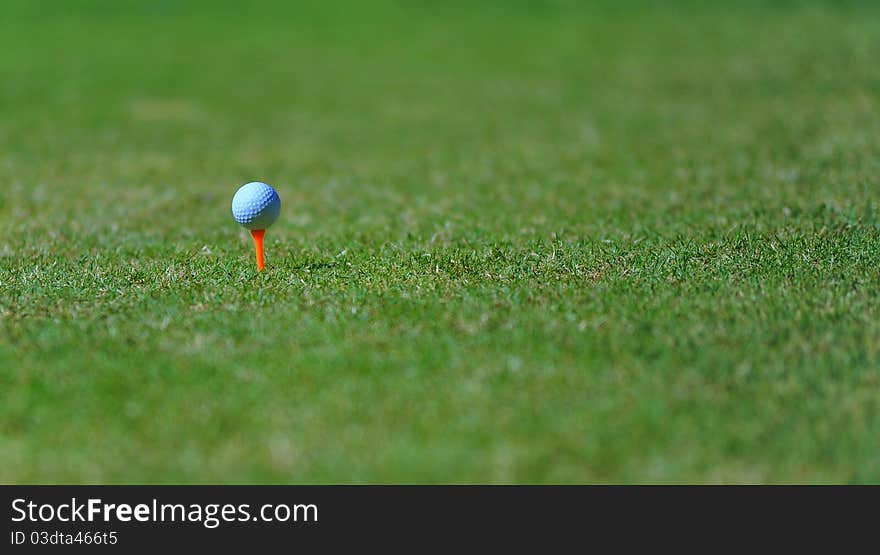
(520, 242)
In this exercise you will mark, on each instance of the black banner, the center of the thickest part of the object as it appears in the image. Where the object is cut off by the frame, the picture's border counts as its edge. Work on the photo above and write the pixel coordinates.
(122, 518)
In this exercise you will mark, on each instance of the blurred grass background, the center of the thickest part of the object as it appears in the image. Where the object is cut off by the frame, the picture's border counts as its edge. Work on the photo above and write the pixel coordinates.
(521, 242)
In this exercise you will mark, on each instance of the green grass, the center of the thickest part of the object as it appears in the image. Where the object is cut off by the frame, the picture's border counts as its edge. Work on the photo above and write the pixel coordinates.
(520, 242)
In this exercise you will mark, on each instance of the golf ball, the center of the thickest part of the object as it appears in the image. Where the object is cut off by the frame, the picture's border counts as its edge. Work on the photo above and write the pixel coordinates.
(256, 205)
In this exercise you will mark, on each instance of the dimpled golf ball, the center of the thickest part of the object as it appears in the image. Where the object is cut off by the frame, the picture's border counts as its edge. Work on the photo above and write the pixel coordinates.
(256, 205)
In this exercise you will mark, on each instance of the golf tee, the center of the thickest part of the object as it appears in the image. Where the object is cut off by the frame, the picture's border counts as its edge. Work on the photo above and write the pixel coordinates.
(258, 246)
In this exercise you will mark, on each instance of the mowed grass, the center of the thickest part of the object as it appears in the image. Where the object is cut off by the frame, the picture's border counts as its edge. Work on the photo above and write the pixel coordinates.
(520, 242)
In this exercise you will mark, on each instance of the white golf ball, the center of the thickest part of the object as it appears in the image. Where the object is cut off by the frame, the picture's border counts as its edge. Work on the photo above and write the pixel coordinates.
(256, 205)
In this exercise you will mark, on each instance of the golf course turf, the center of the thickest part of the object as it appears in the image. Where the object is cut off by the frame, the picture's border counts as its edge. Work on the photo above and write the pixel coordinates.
(525, 242)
